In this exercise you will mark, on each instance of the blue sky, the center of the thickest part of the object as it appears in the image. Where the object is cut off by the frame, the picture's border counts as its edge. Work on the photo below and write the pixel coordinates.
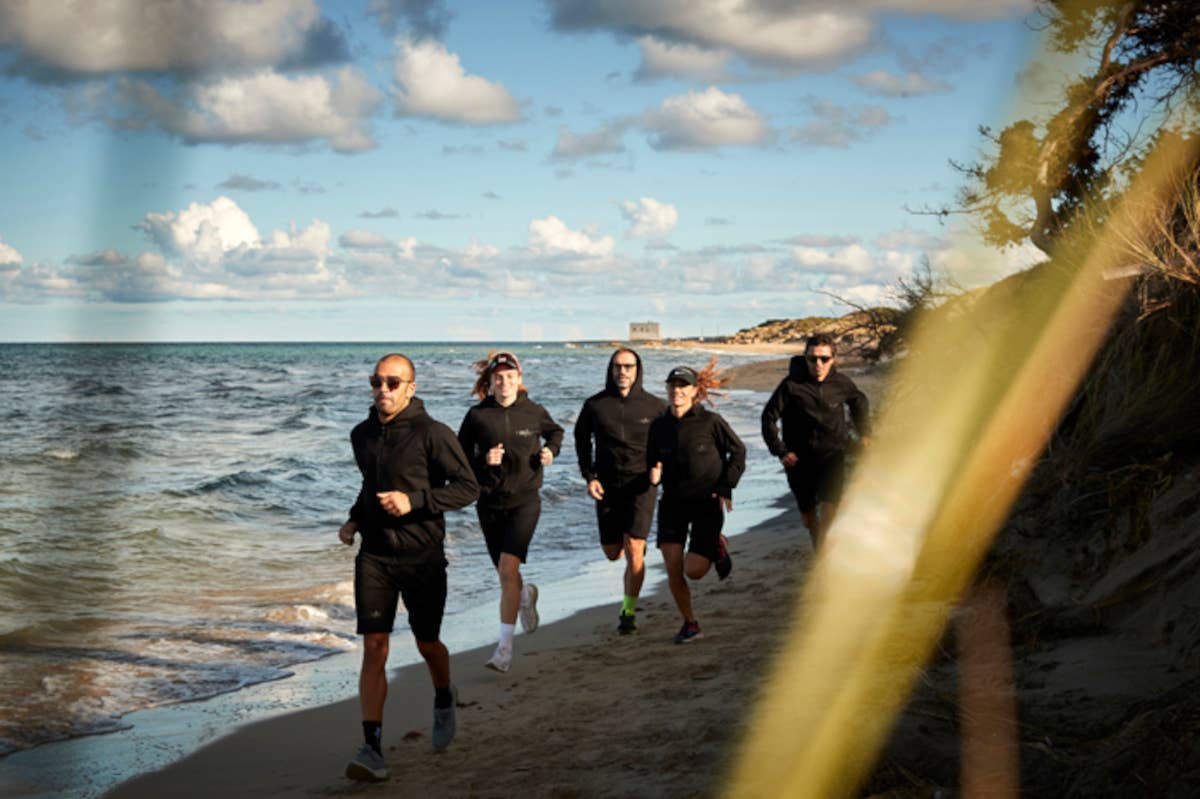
(438, 170)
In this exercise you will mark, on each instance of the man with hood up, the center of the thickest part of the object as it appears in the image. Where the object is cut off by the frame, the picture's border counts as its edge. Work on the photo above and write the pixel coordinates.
(812, 402)
(413, 470)
(618, 419)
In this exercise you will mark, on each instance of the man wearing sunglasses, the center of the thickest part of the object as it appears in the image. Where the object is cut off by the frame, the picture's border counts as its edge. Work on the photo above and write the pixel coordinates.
(413, 470)
(619, 418)
(811, 402)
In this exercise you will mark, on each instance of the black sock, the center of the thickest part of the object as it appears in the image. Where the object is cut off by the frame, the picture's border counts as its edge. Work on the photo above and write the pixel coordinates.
(373, 734)
(443, 698)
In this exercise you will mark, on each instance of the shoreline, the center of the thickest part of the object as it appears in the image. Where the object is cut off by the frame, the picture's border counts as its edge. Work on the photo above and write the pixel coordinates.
(574, 679)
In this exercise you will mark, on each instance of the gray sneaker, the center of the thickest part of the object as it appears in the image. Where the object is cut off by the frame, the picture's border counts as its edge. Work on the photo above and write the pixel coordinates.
(367, 766)
(529, 614)
(444, 724)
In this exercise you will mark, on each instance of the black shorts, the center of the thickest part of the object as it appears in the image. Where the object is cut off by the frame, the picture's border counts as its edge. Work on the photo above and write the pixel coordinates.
(509, 529)
(379, 581)
(817, 478)
(704, 518)
(626, 511)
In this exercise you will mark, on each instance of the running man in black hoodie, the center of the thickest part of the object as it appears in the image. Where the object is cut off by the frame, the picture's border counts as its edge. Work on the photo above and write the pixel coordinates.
(811, 401)
(618, 479)
(502, 437)
(698, 459)
(413, 470)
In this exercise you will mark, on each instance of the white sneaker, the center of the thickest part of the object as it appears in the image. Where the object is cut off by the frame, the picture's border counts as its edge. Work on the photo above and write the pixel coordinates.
(529, 614)
(501, 659)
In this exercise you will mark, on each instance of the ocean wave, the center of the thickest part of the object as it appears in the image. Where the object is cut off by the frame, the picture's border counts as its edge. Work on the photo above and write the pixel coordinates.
(62, 454)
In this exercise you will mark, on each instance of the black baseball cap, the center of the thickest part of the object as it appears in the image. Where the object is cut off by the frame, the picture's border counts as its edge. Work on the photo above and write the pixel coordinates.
(683, 374)
(503, 360)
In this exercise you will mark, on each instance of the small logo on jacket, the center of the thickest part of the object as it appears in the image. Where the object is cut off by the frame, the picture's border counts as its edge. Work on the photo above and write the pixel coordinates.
(525, 432)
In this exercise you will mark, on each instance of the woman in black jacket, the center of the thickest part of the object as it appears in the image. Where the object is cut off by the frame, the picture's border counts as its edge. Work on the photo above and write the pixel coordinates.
(698, 459)
(508, 439)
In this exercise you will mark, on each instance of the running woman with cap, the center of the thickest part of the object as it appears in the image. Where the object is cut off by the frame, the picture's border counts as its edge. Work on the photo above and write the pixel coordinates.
(509, 439)
(413, 471)
(619, 418)
(698, 459)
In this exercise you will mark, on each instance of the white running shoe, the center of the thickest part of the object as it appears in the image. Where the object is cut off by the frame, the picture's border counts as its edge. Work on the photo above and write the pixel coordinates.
(529, 614)
(501, 659)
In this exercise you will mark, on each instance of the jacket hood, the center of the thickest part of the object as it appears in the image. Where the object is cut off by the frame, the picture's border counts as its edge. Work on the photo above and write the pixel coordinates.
(610, 385)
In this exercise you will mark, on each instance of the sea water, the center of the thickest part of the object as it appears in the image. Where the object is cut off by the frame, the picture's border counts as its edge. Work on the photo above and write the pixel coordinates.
(168, 515)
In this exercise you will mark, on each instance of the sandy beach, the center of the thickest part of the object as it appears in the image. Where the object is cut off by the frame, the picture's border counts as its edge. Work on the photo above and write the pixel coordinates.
(583, 712)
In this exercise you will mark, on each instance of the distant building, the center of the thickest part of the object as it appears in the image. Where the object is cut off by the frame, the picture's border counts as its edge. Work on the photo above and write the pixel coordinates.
(644, 331)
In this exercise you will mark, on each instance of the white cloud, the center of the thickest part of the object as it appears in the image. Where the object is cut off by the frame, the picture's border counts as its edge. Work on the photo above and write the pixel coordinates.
(364, 240)
(430, 82)
(794, 35)
(551, 236)
(910, 84)
(9, 256)
(202, 232)
(109, 36)
(853, 258)
(662, 59)
(609, 138)
(649, 217)
(265, 107)
(700, 120)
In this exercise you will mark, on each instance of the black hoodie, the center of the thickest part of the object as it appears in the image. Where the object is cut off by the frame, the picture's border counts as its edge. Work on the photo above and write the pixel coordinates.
(420, 456)
(521, 428)
(814, 421)
(699, 452)
(620, 426)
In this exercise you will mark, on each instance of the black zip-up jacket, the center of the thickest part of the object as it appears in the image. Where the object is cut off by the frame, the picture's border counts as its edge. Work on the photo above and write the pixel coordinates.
(699, 452)
(420, 456)
(620, 426)
(814, 421)
(521, 428)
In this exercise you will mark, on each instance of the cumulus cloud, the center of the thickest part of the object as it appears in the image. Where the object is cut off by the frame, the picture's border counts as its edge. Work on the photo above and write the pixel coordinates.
(430, 82)
(649, 217)
(423, 18)
(661, 59)
(261, 107)
(201, 232)
(837, 126)
(802, 35)
(9, 256)
(910, 84)
(608, 139)
(853, 258)
(551, 236)
(68, 41)
(707, 119)
(242, 182)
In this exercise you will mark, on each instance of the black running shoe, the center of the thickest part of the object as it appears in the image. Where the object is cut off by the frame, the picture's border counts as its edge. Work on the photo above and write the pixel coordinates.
(724, 562)
(627, 624)
(689, 631)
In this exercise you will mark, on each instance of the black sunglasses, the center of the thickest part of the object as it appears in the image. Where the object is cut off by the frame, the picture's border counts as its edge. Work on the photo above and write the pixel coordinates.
(821, 358)
(392, 381)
